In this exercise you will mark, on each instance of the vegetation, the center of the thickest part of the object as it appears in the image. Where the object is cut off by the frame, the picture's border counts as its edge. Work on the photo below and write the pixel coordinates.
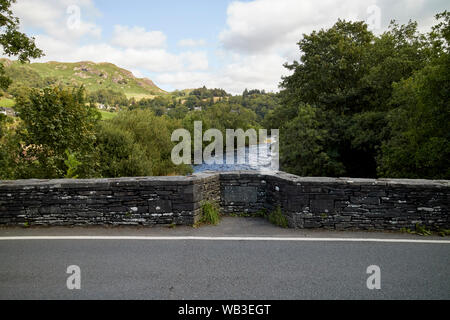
(137, 143)
(54, 123)
(14, 42)
(7, 103)
(93, 76)
(277, 218)
(107, 115)
(210, 214)
(363, 105)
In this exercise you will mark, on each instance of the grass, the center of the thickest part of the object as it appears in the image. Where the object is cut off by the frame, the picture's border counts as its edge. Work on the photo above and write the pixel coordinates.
(99, 76)
(140, 96)
(444, 232)
(277, 218)
(7, 103)
(423, 231)
(210, 214)
(108, 115)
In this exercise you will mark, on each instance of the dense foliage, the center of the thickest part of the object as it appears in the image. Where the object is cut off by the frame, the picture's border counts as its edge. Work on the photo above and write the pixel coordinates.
(12, 41)
(363, 105)
(137, 143)
(55, 123)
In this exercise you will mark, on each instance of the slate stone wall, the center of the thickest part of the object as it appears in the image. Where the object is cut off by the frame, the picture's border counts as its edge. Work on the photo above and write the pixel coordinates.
(342, 203)
(243, 193)
(127, 201)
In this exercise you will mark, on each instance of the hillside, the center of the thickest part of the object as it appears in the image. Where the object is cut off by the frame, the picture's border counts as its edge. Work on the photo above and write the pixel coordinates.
(93, 76)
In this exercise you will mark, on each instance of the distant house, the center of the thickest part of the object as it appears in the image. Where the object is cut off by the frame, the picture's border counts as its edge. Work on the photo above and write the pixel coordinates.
(106, 107)
(7, 111)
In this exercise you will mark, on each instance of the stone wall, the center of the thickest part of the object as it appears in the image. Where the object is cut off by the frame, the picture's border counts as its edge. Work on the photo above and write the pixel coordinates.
(342, 203)
(127, 201)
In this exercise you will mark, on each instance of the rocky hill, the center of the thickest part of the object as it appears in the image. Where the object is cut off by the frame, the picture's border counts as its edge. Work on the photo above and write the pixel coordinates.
(93, 76)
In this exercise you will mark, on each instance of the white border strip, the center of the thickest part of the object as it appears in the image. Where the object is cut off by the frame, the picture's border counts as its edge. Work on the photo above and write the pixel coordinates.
(187, 238)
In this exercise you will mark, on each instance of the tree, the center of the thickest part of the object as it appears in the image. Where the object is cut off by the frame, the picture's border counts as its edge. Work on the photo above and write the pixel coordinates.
(14, 42)
(348, 75)
(137, 143)
(329, 71)
(419, 146)
(304, 150)
(9, 148)
(119, 154)
(54, 122)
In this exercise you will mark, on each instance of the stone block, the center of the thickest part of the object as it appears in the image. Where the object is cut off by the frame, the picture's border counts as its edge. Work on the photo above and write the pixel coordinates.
(240, 194)
(160, 206)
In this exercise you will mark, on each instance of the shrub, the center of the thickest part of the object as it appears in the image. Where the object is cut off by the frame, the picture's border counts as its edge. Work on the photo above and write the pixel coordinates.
(210, 213)
(138, 143)
(277, 218)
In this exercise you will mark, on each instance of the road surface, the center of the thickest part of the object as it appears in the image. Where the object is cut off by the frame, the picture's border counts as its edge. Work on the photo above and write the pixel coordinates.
(251, 259)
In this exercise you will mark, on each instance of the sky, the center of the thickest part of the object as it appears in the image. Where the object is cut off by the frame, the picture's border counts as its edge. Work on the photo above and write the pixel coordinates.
(182, 44)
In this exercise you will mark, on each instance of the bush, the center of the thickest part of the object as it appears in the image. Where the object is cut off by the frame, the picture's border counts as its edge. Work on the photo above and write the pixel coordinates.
(138, 143)
(277, 218)
(119, 154)
(210, 214)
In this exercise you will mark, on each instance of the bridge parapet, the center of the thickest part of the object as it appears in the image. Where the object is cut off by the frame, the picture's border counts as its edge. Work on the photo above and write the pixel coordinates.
(331, 203)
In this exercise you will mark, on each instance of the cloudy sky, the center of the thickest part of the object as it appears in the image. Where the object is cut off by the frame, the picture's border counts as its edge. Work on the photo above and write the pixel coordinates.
(187, 44)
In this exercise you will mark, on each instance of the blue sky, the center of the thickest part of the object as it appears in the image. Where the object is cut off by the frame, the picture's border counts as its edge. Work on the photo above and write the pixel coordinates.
(178, 19)
(185, 44)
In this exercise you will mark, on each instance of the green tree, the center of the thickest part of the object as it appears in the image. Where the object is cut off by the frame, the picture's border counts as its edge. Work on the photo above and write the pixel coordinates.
(330, 68)
(347, 74)
(420, 125)
(138, 143)
(119, 154)
(54, 121)
(9, 148)
(304, 148)
(14, 42)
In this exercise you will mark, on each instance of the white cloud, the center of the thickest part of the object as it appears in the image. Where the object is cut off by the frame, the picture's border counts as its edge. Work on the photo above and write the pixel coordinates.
(191, 43)
(137, 37)
(259, 37)
(146, 60)
(54, 18)
(267, 25)
(131, 47)
(252, 72)
(195, 60)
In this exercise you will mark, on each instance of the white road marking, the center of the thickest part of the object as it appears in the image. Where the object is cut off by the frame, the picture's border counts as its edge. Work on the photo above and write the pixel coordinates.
(184, 238)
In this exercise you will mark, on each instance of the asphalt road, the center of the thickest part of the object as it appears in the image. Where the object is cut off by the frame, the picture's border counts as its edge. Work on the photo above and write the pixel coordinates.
(182, 268)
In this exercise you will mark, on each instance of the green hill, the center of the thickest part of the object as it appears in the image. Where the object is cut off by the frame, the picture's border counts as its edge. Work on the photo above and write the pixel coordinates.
(93, 76)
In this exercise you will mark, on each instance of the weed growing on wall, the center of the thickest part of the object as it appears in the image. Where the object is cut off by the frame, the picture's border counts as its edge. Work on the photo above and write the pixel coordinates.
(210, 213)
(277, 218)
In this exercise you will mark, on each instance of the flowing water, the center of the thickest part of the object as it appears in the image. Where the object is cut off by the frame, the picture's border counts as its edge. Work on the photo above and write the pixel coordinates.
(257, 158)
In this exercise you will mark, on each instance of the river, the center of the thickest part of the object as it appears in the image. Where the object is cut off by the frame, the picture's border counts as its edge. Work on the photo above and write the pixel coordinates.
(253, 162)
